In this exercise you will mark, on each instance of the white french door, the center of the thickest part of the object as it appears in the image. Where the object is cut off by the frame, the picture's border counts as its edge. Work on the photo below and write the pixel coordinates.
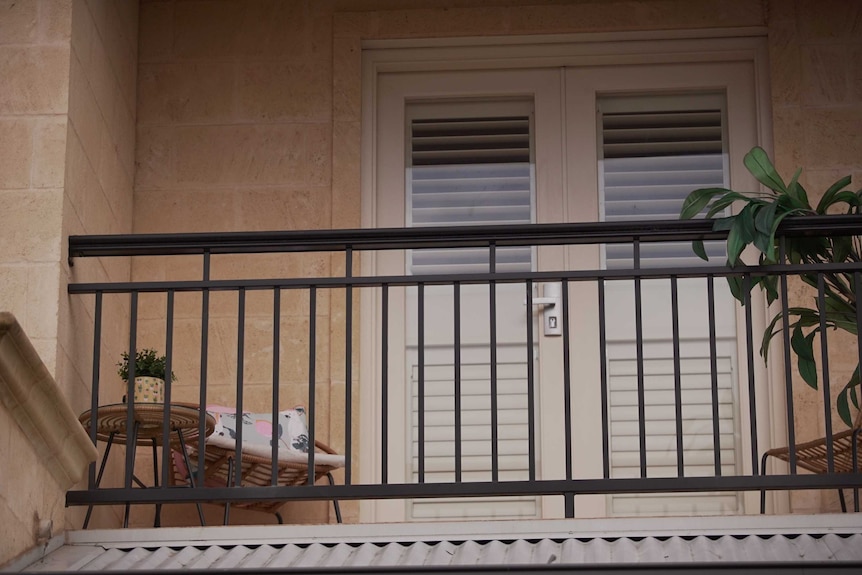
(646, 136)
(570, 170)
(464, 151)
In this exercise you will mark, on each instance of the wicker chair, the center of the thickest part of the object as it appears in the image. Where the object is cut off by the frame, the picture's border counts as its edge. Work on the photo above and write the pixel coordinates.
(256, 472)
(812, 455)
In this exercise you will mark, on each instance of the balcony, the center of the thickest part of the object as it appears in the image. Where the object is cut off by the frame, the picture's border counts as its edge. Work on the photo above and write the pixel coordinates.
(594, 369)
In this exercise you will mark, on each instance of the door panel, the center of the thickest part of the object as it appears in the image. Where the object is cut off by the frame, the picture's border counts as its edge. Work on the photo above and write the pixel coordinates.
(467, 157)
(657, 133)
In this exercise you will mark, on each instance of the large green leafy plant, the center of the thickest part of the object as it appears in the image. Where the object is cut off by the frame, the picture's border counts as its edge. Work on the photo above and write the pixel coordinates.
(756, 224)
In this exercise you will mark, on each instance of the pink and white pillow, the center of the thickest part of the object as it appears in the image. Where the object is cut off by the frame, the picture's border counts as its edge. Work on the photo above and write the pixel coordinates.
(258, 432)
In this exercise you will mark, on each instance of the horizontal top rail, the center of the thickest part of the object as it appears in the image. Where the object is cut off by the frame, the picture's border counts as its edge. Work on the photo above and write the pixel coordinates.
(432, 237)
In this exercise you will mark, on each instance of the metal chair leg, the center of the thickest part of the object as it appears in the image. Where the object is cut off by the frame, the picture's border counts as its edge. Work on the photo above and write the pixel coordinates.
(334, 501)
(99, 477)
(157, 522)
(131, 443)
(229, 479)
(190, 472)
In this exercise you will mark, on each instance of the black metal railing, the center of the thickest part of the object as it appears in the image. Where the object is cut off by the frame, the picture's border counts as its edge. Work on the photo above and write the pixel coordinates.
(336, 282)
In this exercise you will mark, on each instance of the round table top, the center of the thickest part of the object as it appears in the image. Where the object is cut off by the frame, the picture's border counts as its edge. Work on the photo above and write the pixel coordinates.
(150, 417)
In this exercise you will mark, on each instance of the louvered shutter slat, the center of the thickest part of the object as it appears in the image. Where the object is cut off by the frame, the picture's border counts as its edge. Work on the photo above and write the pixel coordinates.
(472, 171)
(651, 162)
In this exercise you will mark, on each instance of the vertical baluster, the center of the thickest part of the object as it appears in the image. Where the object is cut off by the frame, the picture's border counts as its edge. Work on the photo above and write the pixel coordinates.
(240, 361)
(169, 367)
(713, 371)
(749, 351)
(348, 364)
(130, 392)
(312, 376)
(94, 395)
(603, 382)
(639, 342)
(567, 397)
(495, 452)
(276, 378)
(788, 370)
(677, 376)
(457, 391)
(420, 312)
(384, 385)
(824, 366)
(531, 381)
(205, 330)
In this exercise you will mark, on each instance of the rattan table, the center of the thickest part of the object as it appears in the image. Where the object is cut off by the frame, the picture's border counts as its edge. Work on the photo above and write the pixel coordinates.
(112, 422)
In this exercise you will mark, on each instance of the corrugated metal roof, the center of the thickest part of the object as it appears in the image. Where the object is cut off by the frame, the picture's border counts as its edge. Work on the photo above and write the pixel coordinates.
(286, 548)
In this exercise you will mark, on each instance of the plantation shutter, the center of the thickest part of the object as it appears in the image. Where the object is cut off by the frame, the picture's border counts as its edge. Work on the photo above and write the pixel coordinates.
(475, 439)
(469, 164)
(652, 157)
(469, 171)
(697, 433)
(654, 151)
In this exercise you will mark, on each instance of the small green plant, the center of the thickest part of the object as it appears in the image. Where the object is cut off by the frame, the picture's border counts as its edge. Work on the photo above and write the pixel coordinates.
(148, 363)
(756, 224)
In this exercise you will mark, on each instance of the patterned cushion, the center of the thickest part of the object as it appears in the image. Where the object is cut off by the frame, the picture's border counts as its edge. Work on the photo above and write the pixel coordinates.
(257, 434)
(257, 428)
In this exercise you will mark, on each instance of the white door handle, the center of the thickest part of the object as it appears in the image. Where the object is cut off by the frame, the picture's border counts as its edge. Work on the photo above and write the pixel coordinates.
(551, 314)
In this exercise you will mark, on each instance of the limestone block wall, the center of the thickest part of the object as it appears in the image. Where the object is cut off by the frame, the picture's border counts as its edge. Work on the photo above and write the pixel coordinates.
(816, 74)
(34, 51)
(99, 172)
(67, 109)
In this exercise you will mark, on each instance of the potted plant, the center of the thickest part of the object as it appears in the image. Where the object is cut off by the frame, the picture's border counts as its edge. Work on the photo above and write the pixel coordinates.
(150, 370)
(756, 224)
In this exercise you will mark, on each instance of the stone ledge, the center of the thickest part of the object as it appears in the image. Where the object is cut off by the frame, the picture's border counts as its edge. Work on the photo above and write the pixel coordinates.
(38, 407)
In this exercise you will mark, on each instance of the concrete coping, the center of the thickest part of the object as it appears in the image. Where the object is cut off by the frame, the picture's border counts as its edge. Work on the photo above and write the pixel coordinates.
(37, 405)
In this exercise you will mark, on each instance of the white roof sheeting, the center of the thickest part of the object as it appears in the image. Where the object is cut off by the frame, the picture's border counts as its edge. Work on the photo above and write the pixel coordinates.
(363, 546)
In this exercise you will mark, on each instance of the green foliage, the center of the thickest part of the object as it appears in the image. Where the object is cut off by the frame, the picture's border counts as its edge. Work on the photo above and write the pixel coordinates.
(148, 363)
(755, 224)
